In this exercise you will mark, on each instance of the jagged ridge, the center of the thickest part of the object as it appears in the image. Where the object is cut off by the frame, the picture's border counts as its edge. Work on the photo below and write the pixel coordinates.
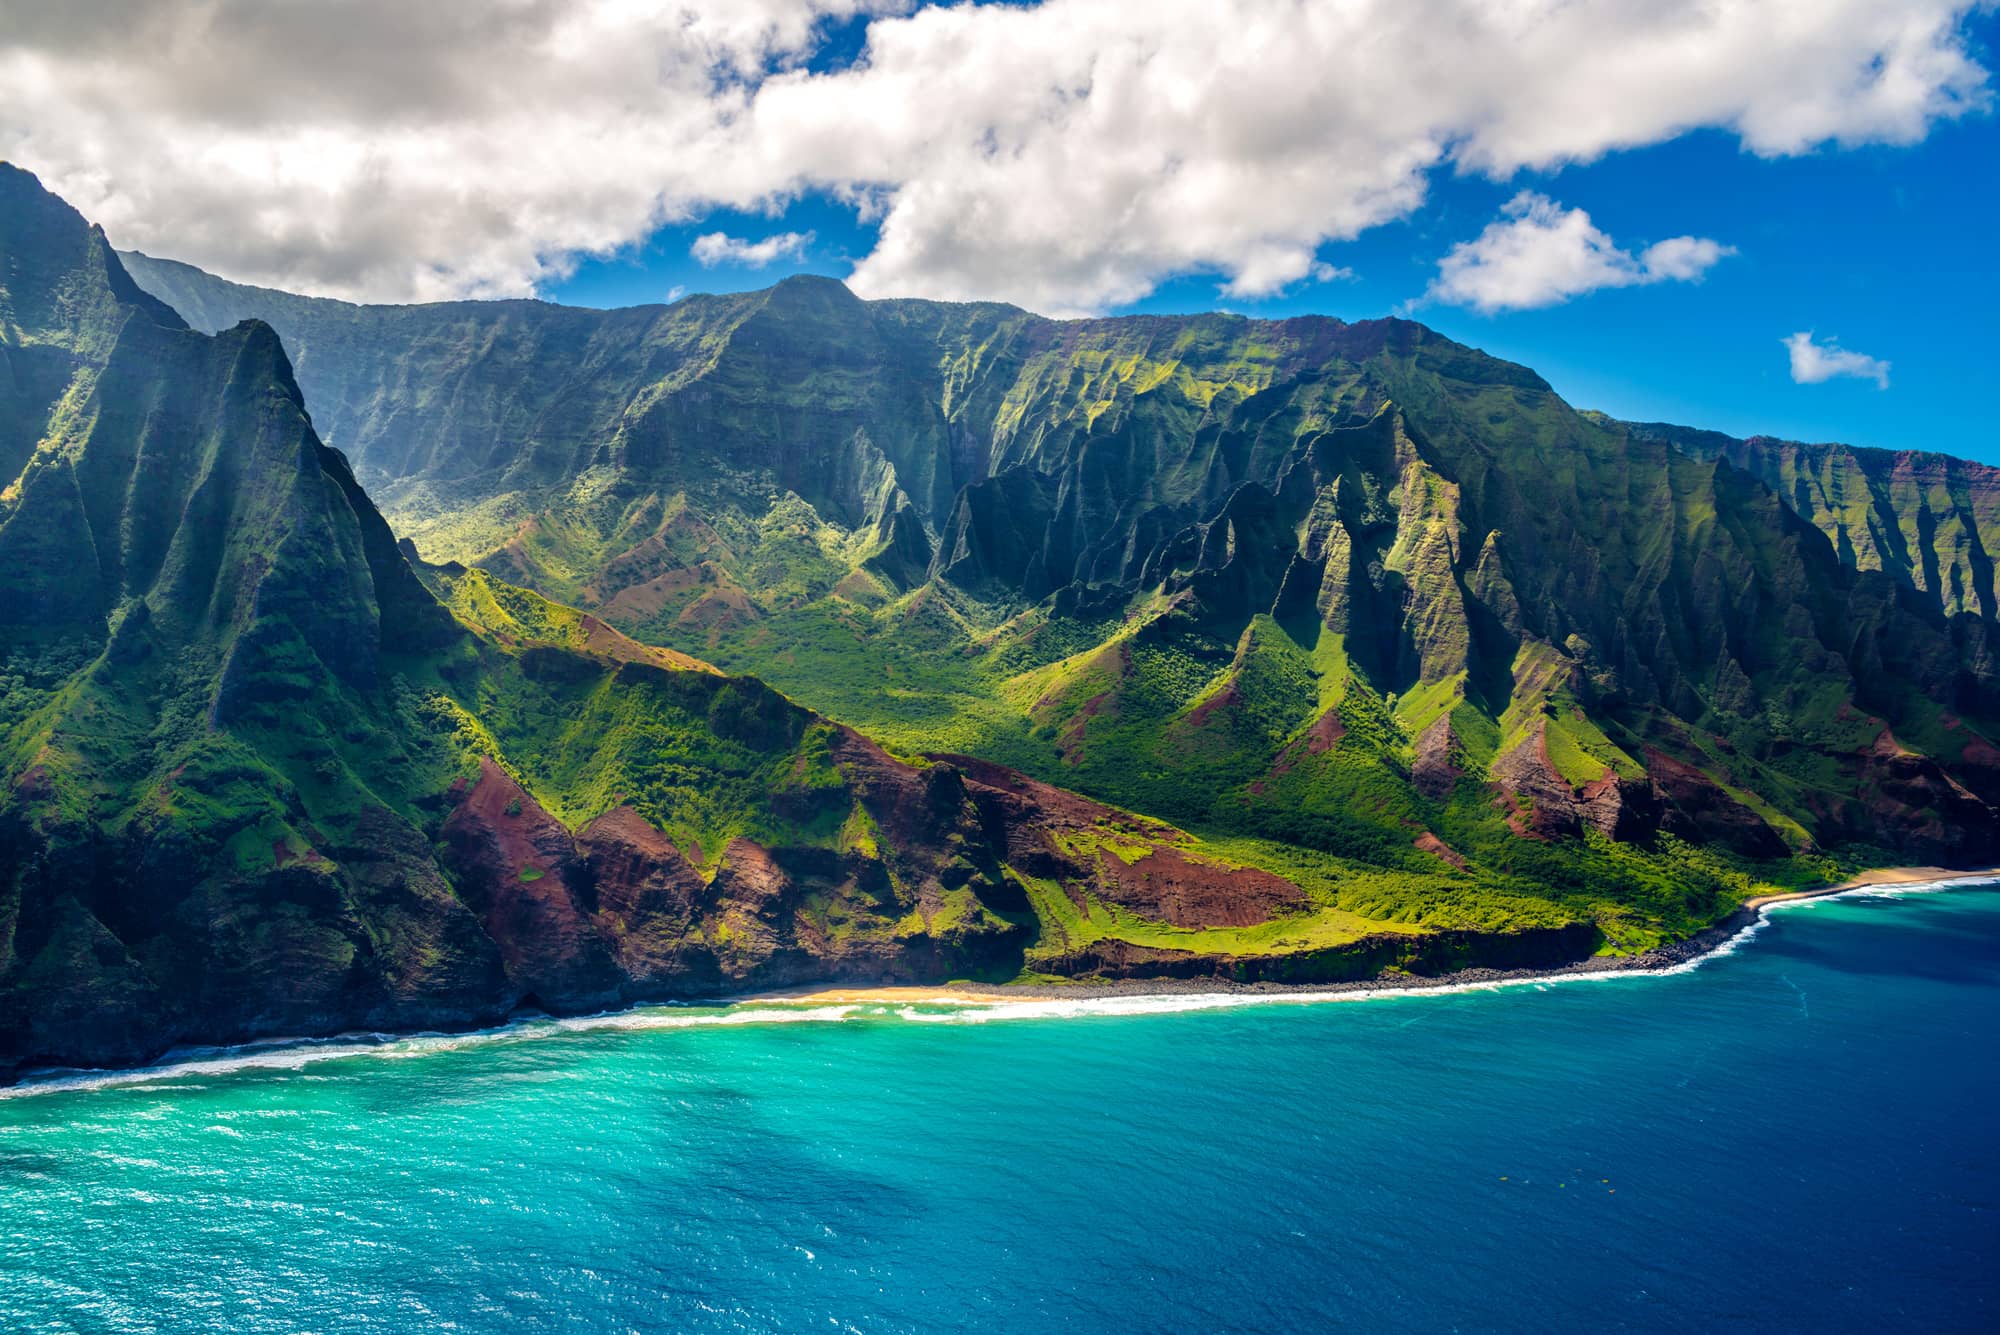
(262, 775)
(1092, 518)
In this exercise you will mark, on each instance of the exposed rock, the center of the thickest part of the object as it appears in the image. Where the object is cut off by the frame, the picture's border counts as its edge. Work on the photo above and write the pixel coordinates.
(1628, 810)
(1437, 768)
(1703, 812)
(518, 869)
(1540, 803)
(646, 899)
(1326, 731)
(1928, 811)
(1168, 886)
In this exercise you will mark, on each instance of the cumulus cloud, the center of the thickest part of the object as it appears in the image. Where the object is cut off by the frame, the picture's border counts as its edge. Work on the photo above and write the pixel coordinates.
(384, 150)
(1815, 363)
(713, 248)
(1547, 254)
(1068, 155)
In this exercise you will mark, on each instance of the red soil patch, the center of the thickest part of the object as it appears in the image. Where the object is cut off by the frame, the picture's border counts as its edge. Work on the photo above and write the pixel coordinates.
(1070, 742)
(547, 944)
(1981, 752)
(1438, 848)
(1326, 730)
(506, 821)
(1053, 807)
(1169, 886)
(606, 642)
(721, 607)
(1886, 746)
(1436, 770)
(1526, 772)
(1224, 699)
(646, 599)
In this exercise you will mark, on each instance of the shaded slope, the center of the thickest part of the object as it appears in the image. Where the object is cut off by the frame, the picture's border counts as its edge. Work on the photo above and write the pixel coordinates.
(1557, 623)
(259, 774)
(1929, 520)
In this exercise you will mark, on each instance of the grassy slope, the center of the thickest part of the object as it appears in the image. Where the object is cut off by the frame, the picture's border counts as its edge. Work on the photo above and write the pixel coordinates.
(1521, 574)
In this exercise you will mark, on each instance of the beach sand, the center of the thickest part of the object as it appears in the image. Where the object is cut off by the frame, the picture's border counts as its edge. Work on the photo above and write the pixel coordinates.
(1666, 959)
(893, 995)
(1678, 954)
(1880, 876)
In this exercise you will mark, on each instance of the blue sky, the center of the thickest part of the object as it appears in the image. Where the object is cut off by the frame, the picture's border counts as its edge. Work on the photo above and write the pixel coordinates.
(1889, 249)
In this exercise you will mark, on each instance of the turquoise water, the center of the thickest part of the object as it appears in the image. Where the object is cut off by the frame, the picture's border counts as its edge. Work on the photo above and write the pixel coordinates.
(1800, 1135)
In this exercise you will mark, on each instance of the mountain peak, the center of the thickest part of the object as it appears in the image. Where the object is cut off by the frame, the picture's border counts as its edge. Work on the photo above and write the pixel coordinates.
(806, 292)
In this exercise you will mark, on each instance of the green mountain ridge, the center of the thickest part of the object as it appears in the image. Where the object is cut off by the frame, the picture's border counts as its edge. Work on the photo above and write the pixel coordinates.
(263, 775)
(1195, 647)
(1929, 520)
(1073, 545)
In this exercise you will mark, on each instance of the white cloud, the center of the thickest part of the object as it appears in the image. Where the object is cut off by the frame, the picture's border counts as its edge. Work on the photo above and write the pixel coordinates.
(1815, 363)
(1068, 156)
(1254, 279)
(713, 248)
(1681, 259)
(1547, 254)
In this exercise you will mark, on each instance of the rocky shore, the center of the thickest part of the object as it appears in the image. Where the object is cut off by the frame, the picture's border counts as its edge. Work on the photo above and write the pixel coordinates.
(1658, 960)
(856, 993)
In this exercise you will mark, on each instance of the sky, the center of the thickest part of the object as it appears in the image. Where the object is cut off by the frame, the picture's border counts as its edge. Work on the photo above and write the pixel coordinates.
(1760, 216)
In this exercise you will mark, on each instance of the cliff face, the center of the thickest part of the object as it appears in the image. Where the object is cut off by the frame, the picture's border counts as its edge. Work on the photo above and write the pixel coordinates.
(1339, 585)
(1929, 521)
(1423, 667)
(260, 775)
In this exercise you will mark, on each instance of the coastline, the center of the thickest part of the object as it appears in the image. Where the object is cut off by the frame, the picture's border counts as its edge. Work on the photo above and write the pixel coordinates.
(1880, 877)
(838, 998)
(1680, 954)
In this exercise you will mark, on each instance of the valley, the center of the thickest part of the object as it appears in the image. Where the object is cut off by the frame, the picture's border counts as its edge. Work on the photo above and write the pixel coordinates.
(401, 667)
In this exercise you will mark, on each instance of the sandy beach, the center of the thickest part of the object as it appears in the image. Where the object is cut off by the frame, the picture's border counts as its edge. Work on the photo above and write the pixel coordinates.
(1879, 876)
(1666, 957)
(895, 995)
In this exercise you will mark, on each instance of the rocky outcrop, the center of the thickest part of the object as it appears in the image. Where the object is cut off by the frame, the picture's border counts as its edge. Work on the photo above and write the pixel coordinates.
(1912, 799)
(1438, 762)
(518, 869)
(1440, 514)
(1672, 796)
(1701, 811)
(616, 912)
(1428, 955)
(1538, 801)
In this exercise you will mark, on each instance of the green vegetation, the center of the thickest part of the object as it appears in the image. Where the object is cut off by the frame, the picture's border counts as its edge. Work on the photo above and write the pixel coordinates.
(1366, 649)
(1369, 603)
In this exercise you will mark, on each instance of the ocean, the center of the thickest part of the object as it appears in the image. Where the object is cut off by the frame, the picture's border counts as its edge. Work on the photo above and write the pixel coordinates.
(1801, 1134)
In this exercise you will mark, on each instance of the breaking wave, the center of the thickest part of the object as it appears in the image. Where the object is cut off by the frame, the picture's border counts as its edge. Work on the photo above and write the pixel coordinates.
(295, 1054)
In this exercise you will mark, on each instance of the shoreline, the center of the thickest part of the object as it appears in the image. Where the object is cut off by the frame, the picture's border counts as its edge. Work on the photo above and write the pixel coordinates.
(1680, 956)
(1661, 959)
(1878, 878)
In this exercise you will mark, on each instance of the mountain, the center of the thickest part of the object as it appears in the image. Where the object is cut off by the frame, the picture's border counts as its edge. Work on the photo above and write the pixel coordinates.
(1929, 520)
(1408, 665)
(1353, 588)
(261, 773)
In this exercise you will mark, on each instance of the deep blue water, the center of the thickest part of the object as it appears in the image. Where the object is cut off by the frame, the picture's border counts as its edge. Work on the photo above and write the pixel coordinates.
(1800, 1135)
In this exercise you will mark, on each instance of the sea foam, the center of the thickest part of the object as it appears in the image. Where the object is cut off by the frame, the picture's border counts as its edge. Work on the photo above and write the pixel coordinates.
(296, 1054)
